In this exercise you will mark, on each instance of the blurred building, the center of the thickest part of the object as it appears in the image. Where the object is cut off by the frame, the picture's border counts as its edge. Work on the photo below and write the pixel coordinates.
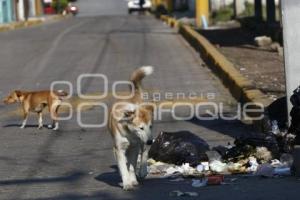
(19, 10)
(6, 11)
(262, 9)
(217, 4)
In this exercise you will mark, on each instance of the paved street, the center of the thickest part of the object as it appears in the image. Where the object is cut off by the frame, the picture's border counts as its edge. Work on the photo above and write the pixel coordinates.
(77, 163)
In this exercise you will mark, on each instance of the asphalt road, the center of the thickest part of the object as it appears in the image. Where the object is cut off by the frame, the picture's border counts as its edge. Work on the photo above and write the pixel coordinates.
(77, 162)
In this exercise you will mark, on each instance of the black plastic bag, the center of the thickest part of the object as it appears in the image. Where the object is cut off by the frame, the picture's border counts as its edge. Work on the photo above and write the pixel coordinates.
(295, 115)
(245, 146)
(178, 148)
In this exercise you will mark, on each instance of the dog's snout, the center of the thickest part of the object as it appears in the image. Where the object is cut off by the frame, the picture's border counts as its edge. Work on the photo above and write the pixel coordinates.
(149, 142)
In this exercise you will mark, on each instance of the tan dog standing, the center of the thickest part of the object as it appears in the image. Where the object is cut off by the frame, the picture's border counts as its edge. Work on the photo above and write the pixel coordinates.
(130, 124)
(36, 102)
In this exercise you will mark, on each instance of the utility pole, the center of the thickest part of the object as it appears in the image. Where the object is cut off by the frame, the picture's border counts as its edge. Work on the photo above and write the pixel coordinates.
(291, 33)
(202, 12)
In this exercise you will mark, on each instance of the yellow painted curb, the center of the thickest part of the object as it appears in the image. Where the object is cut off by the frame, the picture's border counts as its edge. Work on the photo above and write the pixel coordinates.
(240, 87)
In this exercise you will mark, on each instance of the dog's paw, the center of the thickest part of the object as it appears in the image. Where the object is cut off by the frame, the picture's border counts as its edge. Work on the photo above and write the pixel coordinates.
(128, 187)
(54, 128)
(40, 127)
(135, 183)
(142, 173)
(22, 127)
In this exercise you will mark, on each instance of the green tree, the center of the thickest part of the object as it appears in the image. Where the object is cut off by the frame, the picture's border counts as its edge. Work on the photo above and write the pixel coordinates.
(59, 5)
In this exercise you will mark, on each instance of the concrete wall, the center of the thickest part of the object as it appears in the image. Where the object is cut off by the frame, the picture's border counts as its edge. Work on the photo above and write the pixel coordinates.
(217, 4)
(291, 30)
(38, 7)
(32, 11)
(6, 11)
(21, 12)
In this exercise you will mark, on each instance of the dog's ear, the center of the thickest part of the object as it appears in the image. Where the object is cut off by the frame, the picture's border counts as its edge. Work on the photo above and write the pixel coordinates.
(18, 93)
(149, 107)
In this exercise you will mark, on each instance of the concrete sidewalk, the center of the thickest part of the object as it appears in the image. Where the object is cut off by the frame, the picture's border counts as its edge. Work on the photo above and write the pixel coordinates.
(32, 21)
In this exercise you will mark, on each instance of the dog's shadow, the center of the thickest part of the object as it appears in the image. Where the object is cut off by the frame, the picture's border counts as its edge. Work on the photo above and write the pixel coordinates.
(110, 178)
(27, 126)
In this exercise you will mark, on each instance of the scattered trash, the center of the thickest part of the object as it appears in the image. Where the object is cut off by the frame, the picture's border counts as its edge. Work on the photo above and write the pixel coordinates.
(191, 194)
(233, 180)
(275, 128)
(210, 180)
(173, 170)
(183, 147)
(200, 168)
(236, 168)
(253, 164)
(276, 163)
(218, 166)
(165, 169)
(263, 41)
(157, 167)
(187, 168)
(178, 193)
(263, 154)
(199, 182)
(206, 165)
(264, 145)
(182, 155)
(276, 111)
(215, 180)
(282, 171)
(151, 161)
(265, 170)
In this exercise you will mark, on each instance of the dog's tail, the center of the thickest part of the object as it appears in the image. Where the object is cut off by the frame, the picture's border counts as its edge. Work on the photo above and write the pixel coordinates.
(137, 77)
(61, 93)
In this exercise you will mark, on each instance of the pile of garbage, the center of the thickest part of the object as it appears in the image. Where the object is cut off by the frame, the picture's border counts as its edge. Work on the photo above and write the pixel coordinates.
(182, 154)
(186, 155)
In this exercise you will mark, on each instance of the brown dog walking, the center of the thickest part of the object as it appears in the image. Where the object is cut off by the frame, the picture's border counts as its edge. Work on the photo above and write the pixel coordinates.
(35, 102)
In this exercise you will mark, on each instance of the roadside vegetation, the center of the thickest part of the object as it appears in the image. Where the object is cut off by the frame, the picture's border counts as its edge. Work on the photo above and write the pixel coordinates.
(59, 5)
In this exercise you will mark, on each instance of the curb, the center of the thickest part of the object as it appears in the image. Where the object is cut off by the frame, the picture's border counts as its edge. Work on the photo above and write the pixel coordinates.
(29, 23)
(242, 89)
